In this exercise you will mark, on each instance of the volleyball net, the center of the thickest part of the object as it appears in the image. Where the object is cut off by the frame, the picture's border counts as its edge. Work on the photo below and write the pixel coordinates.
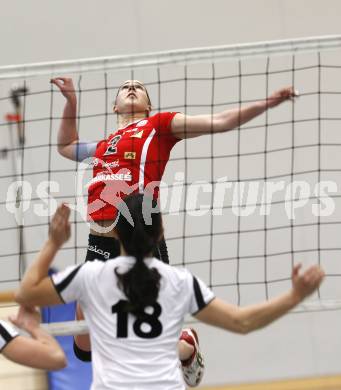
(240, 208)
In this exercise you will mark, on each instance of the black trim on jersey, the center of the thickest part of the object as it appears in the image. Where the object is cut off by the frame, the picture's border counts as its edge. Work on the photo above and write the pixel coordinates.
(14, 337)
(84, 356)
(199, 297)
(64, 283)
(55, 287)
(206, 303)
(198, 294)
(6, 336)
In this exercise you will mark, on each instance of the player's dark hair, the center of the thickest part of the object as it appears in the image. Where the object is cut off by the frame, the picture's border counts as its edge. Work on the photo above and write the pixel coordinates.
(140, 283)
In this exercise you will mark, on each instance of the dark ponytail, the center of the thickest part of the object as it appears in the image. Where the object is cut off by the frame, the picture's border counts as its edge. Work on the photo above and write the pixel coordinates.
(140, 284)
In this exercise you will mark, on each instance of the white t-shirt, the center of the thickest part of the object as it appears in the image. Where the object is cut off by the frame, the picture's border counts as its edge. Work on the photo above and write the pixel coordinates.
(126, 353)
(7, 334)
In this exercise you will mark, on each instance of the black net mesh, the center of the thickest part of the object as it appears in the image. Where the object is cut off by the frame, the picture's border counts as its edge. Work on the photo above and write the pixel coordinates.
(227, 198)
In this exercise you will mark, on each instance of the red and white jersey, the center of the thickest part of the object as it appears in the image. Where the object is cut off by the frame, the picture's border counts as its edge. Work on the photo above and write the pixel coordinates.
(127, 352)
(132, 159)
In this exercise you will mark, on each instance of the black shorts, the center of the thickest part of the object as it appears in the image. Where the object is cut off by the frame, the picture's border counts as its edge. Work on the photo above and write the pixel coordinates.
(105, 248)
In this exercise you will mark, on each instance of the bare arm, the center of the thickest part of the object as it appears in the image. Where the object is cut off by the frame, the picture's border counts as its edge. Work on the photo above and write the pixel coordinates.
(41, 351)
(249, 318)
(67, 134)
(38, 352)
(68, 141)
(185, 126)
(36, 288)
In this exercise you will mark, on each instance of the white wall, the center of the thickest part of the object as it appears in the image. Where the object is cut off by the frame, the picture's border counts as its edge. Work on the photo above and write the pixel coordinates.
(300, 344)
(38, 30)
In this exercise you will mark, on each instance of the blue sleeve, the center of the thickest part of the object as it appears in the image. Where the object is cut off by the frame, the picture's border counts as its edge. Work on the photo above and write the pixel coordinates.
(84, 150)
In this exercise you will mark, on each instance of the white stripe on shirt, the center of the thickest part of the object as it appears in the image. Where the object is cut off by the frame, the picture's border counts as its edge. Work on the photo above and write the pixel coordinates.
(143, 159)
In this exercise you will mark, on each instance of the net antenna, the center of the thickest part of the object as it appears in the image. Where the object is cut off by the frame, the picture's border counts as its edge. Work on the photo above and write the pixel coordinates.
(16, 120)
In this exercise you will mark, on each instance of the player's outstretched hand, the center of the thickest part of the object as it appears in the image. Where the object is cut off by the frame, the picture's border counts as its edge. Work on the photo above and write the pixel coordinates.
(27, 318)
(307, 282)
(60, 226)
(280, 96)
(66, 87)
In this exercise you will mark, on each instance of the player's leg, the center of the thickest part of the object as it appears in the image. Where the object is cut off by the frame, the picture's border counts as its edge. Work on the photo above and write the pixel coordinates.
(81, 343)
(192, 361)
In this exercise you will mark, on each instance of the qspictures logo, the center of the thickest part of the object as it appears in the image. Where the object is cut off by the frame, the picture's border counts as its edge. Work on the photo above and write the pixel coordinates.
(197, 198)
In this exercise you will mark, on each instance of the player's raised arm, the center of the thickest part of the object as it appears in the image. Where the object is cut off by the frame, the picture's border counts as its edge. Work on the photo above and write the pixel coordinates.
(67, 134)
(36, 287)
(246, 319)
(40, 351)
(185, 126)
(68, 141)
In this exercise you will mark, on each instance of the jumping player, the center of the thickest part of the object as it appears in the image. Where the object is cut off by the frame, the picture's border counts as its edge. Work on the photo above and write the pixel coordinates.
(40, 351)
(133, 158)
(132, 303)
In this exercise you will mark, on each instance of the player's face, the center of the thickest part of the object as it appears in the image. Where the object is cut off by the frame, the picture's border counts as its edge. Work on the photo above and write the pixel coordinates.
(132, 97)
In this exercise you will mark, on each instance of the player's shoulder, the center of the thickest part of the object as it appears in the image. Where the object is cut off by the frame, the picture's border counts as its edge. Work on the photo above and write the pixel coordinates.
(92, 268)
(99, 265)
(161, 116)
(97, 271)
(177, 275)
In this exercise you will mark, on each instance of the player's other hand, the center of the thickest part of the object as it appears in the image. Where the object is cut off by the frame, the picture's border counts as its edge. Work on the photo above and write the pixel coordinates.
(66, 87)
(27, 318)
(280, 96)
(307, 282)
(60, 229)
